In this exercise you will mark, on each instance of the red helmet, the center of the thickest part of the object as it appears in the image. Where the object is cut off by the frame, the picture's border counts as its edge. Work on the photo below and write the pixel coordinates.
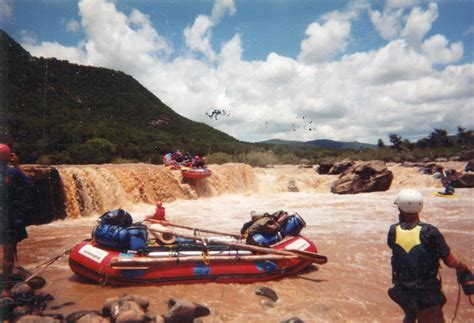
(5, 152)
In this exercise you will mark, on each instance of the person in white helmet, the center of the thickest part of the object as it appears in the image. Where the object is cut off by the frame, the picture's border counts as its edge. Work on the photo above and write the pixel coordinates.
(417, 248)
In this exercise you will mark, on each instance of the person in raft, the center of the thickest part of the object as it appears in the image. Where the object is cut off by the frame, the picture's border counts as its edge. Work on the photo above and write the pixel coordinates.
(13, 185)
(417, 248)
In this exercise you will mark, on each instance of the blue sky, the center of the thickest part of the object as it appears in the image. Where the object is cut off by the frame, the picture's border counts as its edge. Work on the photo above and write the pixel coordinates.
(296, 70)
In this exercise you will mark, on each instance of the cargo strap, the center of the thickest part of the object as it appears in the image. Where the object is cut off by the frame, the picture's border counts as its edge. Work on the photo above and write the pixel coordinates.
(48, 263)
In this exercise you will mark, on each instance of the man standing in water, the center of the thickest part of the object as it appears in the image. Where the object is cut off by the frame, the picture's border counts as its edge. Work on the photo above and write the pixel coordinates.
(13, 184)
(417, 248)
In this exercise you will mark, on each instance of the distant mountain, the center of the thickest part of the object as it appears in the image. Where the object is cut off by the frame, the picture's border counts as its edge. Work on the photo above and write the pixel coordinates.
(57, 112)
(321, 143)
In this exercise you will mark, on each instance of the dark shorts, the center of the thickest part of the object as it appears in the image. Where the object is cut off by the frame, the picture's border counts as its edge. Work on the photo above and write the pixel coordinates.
(415, 299)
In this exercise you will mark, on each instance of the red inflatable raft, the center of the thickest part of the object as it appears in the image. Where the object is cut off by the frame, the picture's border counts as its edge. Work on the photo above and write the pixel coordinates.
(195, 173)
(167, 266)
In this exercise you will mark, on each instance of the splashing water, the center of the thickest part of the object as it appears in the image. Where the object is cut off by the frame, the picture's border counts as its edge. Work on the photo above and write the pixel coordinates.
(350, 229)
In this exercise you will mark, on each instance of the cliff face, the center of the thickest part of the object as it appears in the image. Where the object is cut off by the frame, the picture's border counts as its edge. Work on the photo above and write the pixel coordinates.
(56, 112)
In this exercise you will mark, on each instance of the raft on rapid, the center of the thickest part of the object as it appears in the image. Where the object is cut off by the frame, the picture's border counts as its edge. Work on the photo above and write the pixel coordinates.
(195, 173)
(187, 263)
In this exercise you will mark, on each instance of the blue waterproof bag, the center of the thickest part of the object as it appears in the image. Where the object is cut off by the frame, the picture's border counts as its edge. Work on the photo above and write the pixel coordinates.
(116, 237)
(293, 225)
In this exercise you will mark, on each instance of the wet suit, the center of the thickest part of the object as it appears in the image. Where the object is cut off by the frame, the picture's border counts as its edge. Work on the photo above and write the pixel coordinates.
(417, 249)
(12, 194)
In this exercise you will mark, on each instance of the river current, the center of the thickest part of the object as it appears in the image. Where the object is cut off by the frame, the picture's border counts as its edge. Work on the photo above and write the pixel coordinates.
(351, 230)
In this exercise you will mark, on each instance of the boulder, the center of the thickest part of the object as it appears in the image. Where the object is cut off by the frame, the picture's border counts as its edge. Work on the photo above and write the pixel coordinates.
(36, 282)
(469, 166)
(467, 155)
(121, 306)
(181, 311)
(292, 186)
(92, 318)
(21, 290)
(38, 319)
(455, 158)
(267, 292)
(430, 168)
(341, 167)
(130, 316)
(323, 168)
(184, 311)
(463, 180)
(364, 177)
(84, 316)
(441, 160)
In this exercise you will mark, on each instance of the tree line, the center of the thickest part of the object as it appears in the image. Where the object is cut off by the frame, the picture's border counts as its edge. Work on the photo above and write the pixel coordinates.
(439, 138)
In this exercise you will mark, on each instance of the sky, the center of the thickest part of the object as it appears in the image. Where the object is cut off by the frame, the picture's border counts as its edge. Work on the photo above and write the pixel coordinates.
(287, 69)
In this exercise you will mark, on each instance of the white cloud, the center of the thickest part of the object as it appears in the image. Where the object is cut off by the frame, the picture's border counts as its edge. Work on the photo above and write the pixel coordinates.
(6, 10)
(388, 23)
(329, 37)
(220, 8)
(54, 49)
(324, 41)
(437, 50)
(469, 31)
(419, 23)
(361, 96)
(117, 41)
(401, 3)
(396, 21)
(73, 26)
(198, 36)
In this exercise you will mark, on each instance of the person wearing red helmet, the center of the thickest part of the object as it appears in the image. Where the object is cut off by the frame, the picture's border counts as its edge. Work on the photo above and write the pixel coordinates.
(13, 186)
(417, 248)
(198, 162)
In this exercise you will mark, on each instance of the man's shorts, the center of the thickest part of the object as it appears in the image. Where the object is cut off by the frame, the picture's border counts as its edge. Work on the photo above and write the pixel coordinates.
(416, 298)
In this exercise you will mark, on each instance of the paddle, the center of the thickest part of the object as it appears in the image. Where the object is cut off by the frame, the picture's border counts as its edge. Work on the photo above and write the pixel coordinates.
(144, 262)
(166, 223)
(310, 256)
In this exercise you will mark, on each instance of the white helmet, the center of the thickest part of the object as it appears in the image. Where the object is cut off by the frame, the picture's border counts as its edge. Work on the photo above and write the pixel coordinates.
(409, 201)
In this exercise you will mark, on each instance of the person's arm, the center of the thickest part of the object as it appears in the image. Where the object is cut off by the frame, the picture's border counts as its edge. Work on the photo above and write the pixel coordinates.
(15, 161)
(391, 236)
(444, 252)
(454, 263)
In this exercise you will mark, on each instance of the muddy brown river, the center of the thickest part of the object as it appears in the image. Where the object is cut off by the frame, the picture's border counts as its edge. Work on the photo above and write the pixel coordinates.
(351, 230)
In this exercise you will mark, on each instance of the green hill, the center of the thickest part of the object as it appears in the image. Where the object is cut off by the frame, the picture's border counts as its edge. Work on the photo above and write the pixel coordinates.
(322, 143)
(52, 111)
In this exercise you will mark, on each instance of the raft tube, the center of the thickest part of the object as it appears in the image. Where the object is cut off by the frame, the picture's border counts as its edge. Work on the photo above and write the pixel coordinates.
(222, 265)
(195, 173)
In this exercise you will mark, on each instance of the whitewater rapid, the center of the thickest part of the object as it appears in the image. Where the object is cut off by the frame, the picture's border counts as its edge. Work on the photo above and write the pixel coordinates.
(350, 230)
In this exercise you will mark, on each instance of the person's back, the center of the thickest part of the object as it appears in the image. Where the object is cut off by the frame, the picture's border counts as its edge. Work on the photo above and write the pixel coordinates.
(417, 248)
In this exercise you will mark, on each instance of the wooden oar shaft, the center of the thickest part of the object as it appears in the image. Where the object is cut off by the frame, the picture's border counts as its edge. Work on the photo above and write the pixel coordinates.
(144, 262)
(169, 224)
(318, 259)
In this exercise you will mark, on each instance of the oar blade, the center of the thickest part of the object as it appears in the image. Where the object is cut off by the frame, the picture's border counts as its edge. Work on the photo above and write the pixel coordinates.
(314, 257)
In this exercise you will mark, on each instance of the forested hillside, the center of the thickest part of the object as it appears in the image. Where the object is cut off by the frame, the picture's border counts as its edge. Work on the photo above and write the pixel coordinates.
(54, 112)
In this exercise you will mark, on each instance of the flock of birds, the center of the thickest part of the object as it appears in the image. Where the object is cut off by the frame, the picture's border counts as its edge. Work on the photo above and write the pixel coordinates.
(215, 114)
